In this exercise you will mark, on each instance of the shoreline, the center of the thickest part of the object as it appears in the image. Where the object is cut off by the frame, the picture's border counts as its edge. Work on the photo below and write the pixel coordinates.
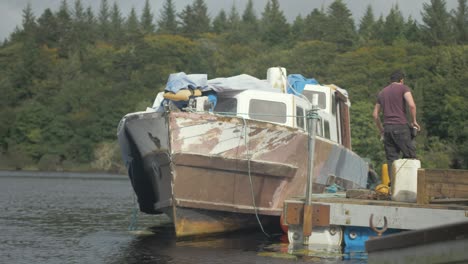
(62, 174)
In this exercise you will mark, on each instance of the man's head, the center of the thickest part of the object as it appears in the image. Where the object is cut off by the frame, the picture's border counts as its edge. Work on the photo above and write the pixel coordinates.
(397, 76)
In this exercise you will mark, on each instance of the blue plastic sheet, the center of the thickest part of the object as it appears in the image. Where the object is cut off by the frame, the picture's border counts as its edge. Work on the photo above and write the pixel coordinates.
(298, 82)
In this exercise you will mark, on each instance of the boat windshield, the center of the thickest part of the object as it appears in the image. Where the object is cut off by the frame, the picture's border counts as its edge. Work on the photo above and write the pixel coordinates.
(226, 106)
(267, 111)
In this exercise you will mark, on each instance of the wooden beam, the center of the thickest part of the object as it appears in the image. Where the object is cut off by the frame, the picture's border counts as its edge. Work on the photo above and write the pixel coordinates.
(421, 196)
(437, 183)
(448, 176)
(450, 201)
(442, 190)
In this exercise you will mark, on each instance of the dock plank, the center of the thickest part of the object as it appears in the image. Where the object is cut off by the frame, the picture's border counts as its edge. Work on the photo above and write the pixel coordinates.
(459, 177)
(422, 197)
(438, 183)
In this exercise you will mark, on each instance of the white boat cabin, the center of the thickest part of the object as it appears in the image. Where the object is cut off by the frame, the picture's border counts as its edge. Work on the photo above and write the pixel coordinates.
(277, 106)
(290, 110)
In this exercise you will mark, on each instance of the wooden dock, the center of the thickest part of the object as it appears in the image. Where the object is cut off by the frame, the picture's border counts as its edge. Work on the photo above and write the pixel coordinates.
(442, 197)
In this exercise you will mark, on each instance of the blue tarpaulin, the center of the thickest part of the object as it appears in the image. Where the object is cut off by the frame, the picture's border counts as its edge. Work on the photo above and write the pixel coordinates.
(298, 82)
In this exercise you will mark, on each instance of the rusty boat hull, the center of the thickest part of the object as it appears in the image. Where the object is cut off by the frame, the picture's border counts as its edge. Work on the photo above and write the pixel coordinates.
(213, 173)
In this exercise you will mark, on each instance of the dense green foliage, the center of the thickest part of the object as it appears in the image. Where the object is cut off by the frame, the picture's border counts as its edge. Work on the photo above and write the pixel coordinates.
(68, 76)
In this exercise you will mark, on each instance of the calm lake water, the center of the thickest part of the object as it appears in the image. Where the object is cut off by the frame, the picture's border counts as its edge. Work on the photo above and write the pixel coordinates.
(91, 218)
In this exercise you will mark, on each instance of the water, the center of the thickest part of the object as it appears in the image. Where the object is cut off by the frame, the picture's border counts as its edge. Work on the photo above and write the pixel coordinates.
(82, 218)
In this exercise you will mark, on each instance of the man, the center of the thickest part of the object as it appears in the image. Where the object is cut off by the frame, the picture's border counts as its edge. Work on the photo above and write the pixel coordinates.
(395, 131)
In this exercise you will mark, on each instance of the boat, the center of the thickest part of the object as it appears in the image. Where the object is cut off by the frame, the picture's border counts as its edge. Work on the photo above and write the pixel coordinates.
(223, 154)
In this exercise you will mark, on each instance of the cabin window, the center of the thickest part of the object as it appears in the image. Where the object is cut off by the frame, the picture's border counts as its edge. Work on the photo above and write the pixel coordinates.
(322, 101)
(300, 117)
(227, 106)
(267, 111)
(326, 126)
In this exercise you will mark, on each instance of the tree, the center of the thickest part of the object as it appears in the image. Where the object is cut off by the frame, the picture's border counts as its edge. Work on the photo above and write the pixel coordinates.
(65, 29)
(249, 19)
(78, 12)
(103, 18)
(297, 28)
(187, 20)
(91, 25)
(364, 134)
(412, 32)
(116, 25)
(146, 20)
(314, 25)
(460, 22)
(29, 52)
(274, 29)
(220, 23)
(79, 30)
(132, 24)
(194, 19)
(200, 11)
(366, 27)
(29, 21)
(48, 29)
(63, 15)
(394, 26)
(436, 26)
(167, 24)
(234, 19)
(379, 28)
(340, 25)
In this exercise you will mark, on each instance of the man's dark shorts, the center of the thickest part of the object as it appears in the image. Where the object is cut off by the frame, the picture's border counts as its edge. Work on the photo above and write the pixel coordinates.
(397, 139)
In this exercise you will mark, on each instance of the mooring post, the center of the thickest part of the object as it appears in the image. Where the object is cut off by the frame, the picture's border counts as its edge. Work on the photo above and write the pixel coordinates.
(312, 117)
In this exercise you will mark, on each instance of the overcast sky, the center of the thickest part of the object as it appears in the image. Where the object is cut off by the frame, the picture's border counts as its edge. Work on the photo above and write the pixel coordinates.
(11, 10)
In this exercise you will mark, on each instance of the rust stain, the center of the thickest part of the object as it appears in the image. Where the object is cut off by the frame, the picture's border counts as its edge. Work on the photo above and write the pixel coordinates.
(193, 228)
(265, 142)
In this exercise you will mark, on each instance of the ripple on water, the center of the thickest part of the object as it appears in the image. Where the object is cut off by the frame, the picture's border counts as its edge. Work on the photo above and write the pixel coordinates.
(85, 220)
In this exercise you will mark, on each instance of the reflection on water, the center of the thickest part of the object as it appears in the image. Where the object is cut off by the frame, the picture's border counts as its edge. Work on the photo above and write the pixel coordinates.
(82, 218)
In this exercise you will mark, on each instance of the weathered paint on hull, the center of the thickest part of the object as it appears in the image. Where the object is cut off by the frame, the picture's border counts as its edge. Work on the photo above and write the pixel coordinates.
(210, 162)
(199, 222)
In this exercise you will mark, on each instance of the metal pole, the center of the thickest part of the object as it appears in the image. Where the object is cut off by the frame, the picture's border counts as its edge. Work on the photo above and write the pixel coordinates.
(312, 118)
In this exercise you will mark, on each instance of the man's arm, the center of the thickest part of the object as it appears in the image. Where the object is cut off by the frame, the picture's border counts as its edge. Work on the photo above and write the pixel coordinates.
(376, 116)
(412, 107)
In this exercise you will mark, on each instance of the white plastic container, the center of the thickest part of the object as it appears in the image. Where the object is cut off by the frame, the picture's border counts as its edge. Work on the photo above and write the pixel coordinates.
(276, 76)
(405, 180)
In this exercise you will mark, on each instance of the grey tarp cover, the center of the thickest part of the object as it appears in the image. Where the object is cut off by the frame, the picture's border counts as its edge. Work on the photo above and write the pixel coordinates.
(181, 80)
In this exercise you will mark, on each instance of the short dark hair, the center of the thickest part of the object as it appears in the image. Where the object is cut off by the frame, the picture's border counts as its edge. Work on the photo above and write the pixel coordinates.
(397, 76)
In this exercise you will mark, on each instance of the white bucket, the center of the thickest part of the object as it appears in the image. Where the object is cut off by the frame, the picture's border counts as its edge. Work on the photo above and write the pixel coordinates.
(405, 180)
(276, 76)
